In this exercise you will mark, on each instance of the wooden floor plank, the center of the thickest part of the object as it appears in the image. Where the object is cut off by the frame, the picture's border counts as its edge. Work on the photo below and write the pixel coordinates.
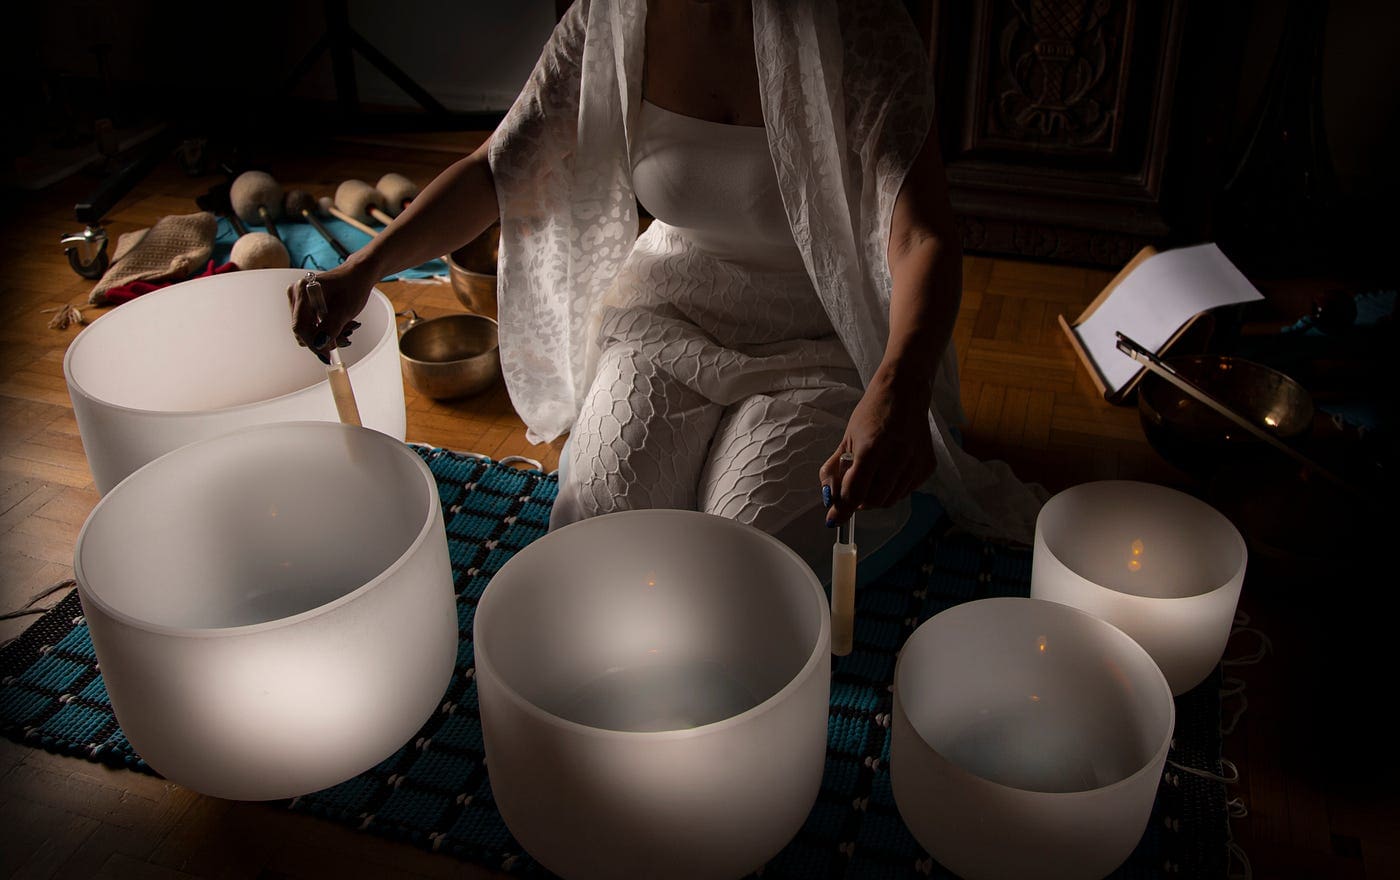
(38, 838)
(11, 465)
(988, 317)
(1011, 426)
(1040, 408)
(71, 506)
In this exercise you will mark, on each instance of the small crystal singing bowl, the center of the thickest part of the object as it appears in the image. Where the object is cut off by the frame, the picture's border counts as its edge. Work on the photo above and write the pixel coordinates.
(272, 609)
(1162, 566)
(207, 356)
(1028, 740)
(654, 693)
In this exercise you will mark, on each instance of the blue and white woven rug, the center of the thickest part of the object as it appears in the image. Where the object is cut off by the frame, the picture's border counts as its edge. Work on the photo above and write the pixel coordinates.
(434, 791)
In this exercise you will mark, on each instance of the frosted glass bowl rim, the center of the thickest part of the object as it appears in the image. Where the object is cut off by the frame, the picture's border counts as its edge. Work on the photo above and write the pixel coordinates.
(1237, 540)
(189, 632)
(390, 337)
(819, 654)
(1121, 637)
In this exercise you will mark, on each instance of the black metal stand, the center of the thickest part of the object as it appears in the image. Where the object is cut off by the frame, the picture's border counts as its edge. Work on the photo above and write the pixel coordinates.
(87, 250)
(342, 40)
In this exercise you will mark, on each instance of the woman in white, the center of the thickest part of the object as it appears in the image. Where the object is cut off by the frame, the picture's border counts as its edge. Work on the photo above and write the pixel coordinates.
(793, 300)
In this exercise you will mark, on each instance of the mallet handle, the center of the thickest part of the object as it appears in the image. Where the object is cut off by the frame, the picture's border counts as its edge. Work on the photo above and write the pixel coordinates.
(360, 225)
(326, 234)
(266, 216)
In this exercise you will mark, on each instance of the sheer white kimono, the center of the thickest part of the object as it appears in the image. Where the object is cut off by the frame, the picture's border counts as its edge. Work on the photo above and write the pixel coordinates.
(847, 103)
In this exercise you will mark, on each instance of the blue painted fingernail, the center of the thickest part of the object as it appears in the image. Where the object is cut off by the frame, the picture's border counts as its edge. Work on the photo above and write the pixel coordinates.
(831, 524)
(826, 495)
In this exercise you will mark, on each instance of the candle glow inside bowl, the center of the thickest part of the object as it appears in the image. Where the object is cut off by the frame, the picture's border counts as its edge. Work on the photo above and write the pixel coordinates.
(1162, 566)
(272, 609)
(1196, 438)
(207, 356)
(1028, 740)
(654, 693)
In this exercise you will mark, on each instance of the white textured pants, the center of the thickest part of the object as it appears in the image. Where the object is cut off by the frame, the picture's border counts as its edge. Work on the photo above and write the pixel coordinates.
(716, 390)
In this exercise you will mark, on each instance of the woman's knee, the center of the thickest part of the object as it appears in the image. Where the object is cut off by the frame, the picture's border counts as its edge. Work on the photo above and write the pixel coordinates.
(763, 466)
(639, 441)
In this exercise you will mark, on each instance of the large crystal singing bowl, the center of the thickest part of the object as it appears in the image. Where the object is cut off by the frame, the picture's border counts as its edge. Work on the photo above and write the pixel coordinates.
(1162, 566)
(206, 356)
(1028, 740)
(272, 609)
(653, 689)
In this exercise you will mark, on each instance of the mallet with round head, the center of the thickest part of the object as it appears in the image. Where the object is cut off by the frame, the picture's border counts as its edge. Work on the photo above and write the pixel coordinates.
(259, 250)
(397, 191)
(252, 250)
(361, 201)
(257, 198)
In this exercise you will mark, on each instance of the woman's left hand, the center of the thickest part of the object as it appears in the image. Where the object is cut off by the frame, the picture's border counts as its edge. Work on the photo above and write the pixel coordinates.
(889, 437)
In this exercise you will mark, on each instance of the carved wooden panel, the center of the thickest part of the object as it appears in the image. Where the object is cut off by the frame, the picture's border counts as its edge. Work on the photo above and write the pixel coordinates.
(1054, 75)
(1062, 121)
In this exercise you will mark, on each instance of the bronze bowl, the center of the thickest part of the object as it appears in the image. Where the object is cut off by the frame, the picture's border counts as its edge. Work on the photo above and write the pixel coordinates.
(473, 270)
(1194, 437)
(450, 356)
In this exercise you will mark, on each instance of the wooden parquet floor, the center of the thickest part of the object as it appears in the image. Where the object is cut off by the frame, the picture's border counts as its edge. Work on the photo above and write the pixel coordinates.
(1028, 400)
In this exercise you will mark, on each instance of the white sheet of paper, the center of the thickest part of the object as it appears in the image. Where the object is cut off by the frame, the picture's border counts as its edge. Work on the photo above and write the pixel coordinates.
(1155, 300)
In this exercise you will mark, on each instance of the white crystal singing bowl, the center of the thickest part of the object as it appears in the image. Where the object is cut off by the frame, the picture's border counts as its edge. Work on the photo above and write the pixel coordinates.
(653, 689)
(272, 609)
(206, 356)
(1028, 741)
(1158, 564)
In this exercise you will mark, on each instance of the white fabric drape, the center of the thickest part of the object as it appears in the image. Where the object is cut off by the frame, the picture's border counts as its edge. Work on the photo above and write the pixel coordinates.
(847, 102)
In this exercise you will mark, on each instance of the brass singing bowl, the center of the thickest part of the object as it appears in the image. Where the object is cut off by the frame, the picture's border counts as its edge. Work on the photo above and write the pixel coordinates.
(473, 272)
(1194, 437)
(450, 356)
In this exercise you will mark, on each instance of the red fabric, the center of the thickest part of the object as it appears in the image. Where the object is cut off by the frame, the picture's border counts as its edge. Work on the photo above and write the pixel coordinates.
(119, 295)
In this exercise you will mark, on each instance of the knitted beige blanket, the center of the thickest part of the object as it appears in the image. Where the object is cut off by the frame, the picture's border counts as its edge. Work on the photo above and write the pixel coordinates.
(176, 247)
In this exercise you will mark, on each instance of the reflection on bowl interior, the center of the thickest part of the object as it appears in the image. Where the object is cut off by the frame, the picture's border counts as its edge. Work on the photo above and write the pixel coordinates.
(638, 644)
(254, 531)
(1142, 539)
(218, 342)
(1059, 701)
(659, 696)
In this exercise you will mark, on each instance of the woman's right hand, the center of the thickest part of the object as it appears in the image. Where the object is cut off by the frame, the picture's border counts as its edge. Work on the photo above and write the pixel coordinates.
(345, 289)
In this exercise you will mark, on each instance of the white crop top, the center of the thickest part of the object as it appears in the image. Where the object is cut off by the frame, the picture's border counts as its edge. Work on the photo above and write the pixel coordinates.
(715, 184)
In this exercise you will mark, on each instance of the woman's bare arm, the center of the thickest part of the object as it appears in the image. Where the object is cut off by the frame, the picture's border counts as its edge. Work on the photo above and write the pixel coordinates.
(888, 432)
(926, 267)
(458, 205)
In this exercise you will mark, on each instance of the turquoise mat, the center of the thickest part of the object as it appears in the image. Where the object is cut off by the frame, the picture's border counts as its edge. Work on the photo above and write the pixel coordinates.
(434, 792)
(308, 250)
